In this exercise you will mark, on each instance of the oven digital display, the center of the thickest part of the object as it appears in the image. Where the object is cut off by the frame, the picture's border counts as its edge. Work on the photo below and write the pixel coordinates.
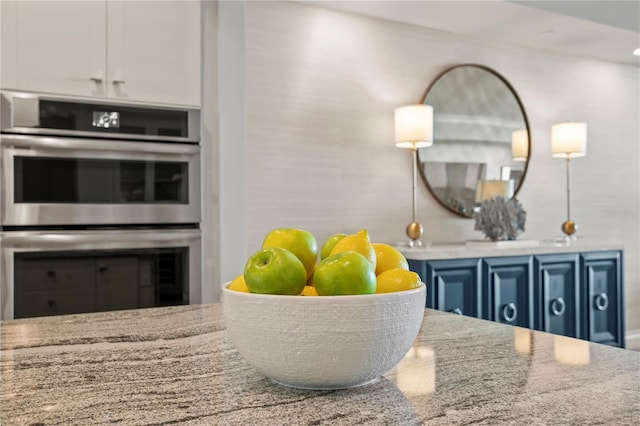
(106, 119)
(110, 120)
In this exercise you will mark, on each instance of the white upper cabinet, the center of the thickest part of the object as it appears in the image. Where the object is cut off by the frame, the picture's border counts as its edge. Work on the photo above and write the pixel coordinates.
(146, 51)
(54, 47)
(153, 51)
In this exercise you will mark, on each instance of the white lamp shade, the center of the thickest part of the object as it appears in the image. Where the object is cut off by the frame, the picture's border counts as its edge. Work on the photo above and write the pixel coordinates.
(414, 126)
(488, 189)
(569, 139)
(520, 145)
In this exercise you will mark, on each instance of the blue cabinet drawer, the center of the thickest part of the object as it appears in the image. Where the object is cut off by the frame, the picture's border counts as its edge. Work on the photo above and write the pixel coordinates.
(456, 286)
(557, 294)
(603, 298)
(510, 289)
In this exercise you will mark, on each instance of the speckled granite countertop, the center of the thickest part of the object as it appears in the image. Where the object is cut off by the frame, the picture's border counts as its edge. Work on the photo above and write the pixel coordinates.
(175, 366)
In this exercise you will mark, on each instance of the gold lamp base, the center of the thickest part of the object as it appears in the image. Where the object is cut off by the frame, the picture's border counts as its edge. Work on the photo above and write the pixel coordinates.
(569, 227)
(414, 232)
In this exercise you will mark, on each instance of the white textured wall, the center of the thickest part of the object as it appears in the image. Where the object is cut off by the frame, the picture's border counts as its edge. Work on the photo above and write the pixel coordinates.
(320, 90)
(231, 164)
(209, 153)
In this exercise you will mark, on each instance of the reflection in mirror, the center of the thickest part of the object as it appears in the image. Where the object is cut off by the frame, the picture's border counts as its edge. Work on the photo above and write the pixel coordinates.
(481, 134)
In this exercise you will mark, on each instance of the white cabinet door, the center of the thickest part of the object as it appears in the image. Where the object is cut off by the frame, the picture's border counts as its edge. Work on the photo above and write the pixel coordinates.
(154, 51)
(146, 51)
(54, 47)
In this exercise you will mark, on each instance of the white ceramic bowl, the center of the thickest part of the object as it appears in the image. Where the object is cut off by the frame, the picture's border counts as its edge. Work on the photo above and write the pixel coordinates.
(324, 342)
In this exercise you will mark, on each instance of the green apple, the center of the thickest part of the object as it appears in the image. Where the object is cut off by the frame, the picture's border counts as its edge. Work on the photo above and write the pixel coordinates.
(345, 273)
(299, 242)
(275, 271)
(328, 245)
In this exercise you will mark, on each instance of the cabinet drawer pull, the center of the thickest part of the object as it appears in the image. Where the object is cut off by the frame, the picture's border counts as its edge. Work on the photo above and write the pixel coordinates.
(118, 82)
(601, 301)
(558, 306)
(509, 312)
(456, 311)
(96, 79)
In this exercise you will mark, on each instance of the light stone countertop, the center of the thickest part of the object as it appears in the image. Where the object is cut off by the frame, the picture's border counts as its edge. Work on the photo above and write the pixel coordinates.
(175, 366)
(486, 248)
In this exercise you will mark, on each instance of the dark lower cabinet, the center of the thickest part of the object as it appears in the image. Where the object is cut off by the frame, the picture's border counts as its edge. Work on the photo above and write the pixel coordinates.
(603, 298)
(456, 286)
(452, 285)
(510, 289)
(572, 294)
(557, 294)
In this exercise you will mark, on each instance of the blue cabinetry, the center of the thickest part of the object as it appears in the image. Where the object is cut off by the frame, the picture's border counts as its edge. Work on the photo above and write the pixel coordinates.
(456, 286)
(572, 294)
(557, 294)
(452, 285)
(509, 286)
(603, 297)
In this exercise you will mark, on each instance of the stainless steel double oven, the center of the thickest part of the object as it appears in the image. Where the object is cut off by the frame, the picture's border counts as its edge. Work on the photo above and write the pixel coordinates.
(99, 205)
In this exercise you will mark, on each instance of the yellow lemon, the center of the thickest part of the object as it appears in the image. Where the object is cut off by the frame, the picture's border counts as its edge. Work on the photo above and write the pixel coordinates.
(309, 291)
(388, 257)
(238, 284)
(358, 242)
(397, 280)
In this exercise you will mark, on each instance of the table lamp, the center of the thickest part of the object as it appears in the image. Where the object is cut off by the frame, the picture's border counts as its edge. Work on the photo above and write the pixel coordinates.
(413, 130)
(569, 140)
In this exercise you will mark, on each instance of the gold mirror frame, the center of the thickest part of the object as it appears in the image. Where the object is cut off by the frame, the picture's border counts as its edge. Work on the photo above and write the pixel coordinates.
(463, 198)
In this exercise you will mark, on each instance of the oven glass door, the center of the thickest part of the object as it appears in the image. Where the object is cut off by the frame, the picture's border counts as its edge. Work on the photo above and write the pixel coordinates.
(108, 181)
(60, 272)
(68, 181)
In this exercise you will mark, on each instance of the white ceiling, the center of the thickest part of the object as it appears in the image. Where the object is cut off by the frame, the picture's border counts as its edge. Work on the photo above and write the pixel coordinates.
(605, 30)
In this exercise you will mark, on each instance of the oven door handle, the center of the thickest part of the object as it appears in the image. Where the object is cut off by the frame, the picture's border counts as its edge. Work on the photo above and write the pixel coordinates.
(49, 142)
(61, 240)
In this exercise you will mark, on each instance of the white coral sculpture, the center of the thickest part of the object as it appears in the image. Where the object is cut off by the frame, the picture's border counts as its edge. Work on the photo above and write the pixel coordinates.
(500, 219)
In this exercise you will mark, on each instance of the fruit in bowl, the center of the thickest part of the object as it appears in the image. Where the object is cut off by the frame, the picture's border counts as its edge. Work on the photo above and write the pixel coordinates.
(345, 273)
(367, 313)
(299, 242)
(275, 270)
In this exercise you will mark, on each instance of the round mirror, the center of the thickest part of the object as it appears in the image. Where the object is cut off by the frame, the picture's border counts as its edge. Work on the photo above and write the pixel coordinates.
(481, 139)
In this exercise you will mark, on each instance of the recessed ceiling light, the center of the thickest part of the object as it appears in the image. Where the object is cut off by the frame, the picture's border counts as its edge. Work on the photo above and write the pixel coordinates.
(636, 52)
